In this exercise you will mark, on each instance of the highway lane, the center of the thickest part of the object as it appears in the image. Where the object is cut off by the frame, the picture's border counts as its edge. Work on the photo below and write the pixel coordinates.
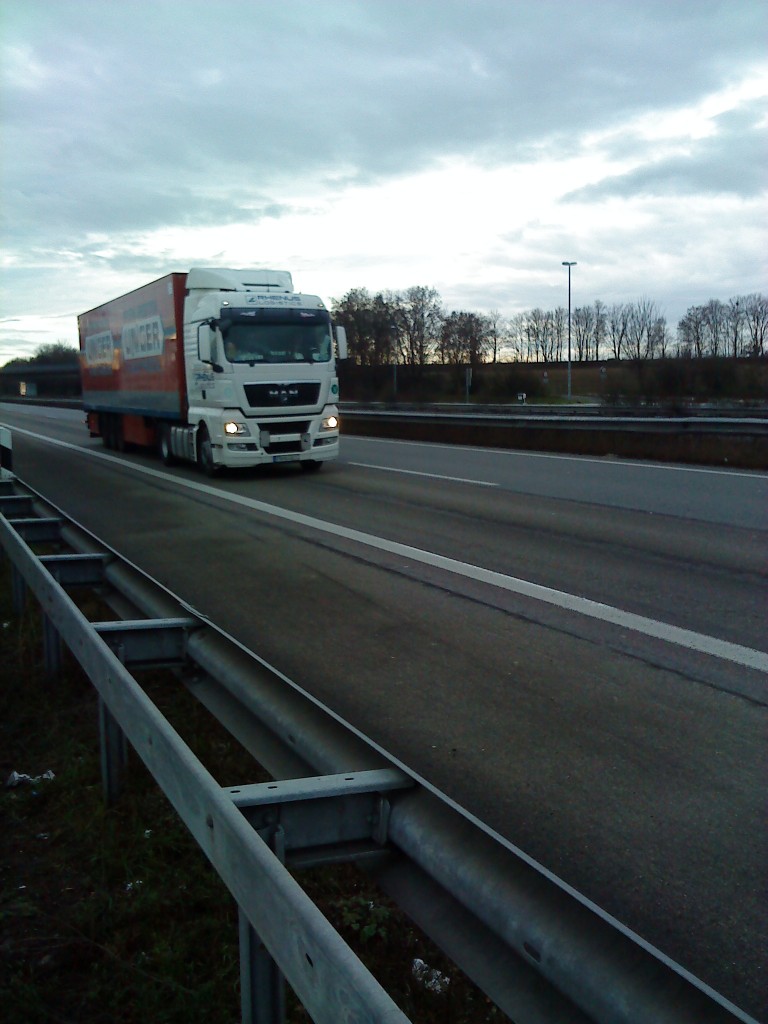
(632, 767)
(691, 492)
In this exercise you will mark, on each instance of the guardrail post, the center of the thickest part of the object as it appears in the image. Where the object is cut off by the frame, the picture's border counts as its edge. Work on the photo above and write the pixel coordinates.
(113, 749)
(18, 591)
(51, 649)
(114, 754)
(6, 453)
(262, 986)
(6, 490)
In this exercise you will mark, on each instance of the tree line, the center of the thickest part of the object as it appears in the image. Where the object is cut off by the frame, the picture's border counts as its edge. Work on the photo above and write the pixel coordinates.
(56, 353)
(412, 328)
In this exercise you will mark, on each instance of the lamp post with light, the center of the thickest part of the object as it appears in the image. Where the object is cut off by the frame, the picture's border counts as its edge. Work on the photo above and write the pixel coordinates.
(393, 332)
(569, 265)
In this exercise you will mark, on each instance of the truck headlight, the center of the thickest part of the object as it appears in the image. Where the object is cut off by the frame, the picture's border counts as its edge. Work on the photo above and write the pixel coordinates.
(232, 428)
(330, 423)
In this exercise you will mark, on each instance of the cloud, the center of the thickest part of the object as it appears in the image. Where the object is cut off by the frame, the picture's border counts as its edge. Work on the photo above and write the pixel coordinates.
(143, 88)
(432, 141)
(732, 160)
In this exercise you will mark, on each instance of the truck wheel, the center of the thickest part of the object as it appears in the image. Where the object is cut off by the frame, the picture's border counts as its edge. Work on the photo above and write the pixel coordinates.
(105, 426)
(166, 452)
(205, 453)
(112, 432)
(119, 438)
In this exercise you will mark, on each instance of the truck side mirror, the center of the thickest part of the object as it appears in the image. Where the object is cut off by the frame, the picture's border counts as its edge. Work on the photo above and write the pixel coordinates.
(341, 342)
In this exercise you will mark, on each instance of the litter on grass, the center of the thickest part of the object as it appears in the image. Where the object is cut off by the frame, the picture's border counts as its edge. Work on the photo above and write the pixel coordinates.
(430, 977)
(19, 779)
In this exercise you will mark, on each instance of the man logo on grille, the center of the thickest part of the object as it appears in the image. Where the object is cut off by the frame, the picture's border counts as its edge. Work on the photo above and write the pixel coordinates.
(282, 395)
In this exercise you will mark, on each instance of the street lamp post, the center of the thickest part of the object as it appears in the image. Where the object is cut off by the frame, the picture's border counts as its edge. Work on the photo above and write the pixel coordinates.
(569, 265)
(393, 329)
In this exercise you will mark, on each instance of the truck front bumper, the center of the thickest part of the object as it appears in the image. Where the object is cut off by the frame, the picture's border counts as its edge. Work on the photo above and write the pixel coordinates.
(248, 453)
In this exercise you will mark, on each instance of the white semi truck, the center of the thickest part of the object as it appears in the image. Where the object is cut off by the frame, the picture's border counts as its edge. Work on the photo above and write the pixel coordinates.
(226, 368)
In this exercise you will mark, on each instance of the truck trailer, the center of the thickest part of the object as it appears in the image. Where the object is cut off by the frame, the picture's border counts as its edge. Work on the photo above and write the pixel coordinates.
(225, 368)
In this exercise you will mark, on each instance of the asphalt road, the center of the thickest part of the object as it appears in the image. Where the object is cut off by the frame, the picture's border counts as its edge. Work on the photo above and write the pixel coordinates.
(573, 649)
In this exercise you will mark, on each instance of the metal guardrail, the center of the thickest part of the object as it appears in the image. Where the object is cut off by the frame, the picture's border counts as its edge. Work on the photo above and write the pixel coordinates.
(738, 441)
(328, 979)
(736, 436)
(6, 453)
(569, 418)
(539, 950)
(714, 413)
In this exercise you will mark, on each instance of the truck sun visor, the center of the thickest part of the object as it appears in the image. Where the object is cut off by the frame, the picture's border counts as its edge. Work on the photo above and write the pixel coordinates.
(274, 316)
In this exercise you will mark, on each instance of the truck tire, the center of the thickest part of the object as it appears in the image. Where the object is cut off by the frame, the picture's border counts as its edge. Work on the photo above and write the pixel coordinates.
(164, 446)
(205, 453)
(105, 429)
(111, 431)
(119, 443)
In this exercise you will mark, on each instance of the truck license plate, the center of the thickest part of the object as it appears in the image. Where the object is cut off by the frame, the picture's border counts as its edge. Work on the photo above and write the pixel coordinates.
(283, 458)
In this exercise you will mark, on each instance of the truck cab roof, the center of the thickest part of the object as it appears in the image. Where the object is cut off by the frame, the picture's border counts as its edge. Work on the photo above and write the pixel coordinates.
(239, 280)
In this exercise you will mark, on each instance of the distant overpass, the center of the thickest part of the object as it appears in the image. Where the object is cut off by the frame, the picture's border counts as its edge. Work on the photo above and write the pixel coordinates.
(40, 380)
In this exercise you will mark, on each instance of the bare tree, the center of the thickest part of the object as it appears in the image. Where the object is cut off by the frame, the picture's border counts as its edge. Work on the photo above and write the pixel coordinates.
(715, 326)
(599, 329)
(690, 333)
(560, 329)
(640, 337)
(734, 325)
(618, 325)
(383, 329)
(419, 317)
(463, 339)
(516, 336)
(495, 328)
(756, 315)
(740, 328)
(661, 338)
(352, 312)
(583, 323)
(539, 329)
(449, 343)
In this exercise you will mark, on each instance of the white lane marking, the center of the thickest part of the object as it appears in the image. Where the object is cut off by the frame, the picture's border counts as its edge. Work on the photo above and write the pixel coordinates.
(432, 476)
(748, 657)
(602, 461)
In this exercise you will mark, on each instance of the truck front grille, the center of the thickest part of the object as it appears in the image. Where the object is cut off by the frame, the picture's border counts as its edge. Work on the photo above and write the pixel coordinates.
(280, 394)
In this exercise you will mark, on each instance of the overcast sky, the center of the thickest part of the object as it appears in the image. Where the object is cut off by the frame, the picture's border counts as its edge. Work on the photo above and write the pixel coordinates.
(467, 145)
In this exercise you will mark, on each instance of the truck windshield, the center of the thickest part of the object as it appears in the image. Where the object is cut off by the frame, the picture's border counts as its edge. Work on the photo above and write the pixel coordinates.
(260, 342)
